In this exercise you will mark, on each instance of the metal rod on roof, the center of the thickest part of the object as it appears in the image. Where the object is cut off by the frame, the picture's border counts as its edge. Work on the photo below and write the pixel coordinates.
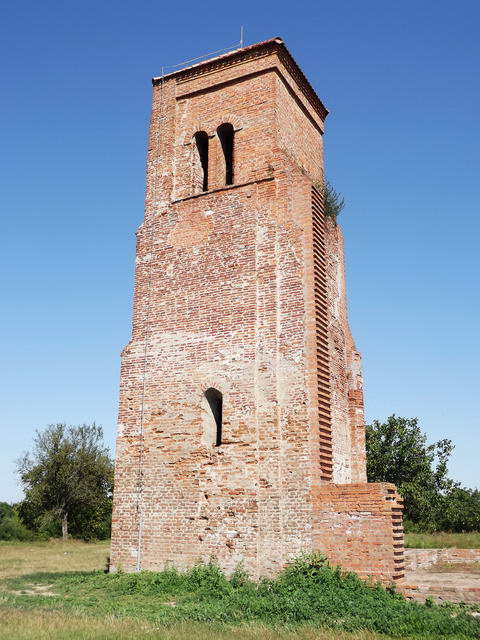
(173, 66)
(241, 37)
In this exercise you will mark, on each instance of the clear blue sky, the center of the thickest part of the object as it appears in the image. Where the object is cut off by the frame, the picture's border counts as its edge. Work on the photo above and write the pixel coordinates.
(402, 145)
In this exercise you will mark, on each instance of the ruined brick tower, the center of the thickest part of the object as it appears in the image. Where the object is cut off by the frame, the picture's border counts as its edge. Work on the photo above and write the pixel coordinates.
(241, 412)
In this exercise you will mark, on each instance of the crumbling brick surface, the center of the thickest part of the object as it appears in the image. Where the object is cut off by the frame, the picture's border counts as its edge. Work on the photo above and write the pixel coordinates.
(426, 577)
(416, 559)
(226, 296)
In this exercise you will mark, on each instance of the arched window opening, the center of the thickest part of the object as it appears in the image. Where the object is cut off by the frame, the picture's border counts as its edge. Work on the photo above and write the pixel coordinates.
(215, 400)
(226, 134)
(201, 143)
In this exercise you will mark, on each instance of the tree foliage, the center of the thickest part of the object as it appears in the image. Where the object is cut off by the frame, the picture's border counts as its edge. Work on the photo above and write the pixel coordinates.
(398, 452)
(68, 481)
(11, 527)
(459, 510)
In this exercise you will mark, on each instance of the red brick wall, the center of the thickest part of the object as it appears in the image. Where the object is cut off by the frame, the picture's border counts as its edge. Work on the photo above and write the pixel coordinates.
(348, 430)
(358, 526)
(225, 298)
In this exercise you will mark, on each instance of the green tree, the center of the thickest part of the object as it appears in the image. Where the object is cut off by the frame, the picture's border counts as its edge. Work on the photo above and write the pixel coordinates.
(68, 480)
(460, 510)
(398, 452)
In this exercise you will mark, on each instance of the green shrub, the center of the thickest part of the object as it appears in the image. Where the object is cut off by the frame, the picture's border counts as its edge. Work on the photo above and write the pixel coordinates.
(6, 510)
(12, 528)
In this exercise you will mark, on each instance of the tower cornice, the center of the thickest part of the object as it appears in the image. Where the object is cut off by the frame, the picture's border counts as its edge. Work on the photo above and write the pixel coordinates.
(239, 56)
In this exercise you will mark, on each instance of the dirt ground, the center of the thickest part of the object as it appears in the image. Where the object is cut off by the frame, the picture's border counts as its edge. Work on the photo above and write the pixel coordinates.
(458, 578)
(452, 582)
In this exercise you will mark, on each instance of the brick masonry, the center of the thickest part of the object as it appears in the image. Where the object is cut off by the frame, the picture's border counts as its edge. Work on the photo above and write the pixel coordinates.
(424, 558)
(423, 580)
(241, 288)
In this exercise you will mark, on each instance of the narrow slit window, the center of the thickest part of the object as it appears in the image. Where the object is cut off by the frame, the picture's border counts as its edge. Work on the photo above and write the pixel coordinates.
(226, 136)
(201, 143)
(215, 400)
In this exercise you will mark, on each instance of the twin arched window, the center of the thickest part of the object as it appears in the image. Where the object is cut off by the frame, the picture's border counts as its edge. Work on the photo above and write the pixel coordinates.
(226, 135)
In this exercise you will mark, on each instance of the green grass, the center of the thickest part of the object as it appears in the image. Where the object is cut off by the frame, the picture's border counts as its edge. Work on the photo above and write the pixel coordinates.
(309, 593)
(52, 625)
(308, 601)
(442, 540)
(17, 558)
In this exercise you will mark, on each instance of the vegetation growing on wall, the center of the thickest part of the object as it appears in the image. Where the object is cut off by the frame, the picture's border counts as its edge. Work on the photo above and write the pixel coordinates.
(333, 202)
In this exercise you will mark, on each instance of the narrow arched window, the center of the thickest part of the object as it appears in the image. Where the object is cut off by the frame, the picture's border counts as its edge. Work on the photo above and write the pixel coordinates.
(201, 144)
(226, 136)
(215, 400)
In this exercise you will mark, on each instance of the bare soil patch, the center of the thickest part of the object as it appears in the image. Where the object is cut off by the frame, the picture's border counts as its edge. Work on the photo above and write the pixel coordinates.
(36, 590)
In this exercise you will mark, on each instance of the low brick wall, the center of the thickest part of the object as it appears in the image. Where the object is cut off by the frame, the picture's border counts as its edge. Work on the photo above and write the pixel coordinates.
(359, 527)
(423, 558)
(440, 593)
(441, 587)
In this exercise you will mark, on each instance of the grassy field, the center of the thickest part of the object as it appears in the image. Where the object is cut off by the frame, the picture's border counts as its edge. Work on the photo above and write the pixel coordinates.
(19, 558)
(58, 591)
(442, 540)
(48, 625)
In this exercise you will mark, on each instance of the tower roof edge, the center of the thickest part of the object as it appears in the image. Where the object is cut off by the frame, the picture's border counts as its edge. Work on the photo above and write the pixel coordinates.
(251, 51)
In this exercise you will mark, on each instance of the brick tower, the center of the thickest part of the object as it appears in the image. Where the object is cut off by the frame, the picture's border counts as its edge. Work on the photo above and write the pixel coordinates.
(241, 412)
